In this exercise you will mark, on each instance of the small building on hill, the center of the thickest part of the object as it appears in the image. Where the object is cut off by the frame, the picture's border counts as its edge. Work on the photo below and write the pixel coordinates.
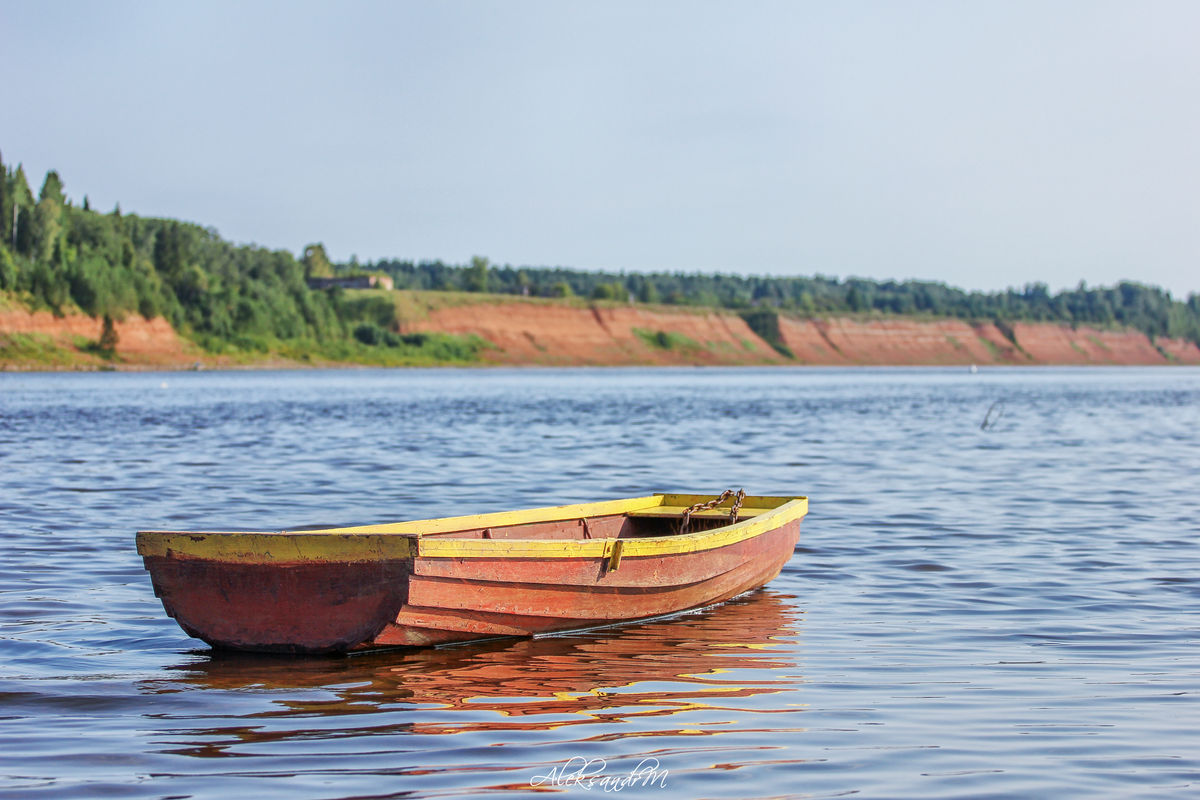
(353, 282)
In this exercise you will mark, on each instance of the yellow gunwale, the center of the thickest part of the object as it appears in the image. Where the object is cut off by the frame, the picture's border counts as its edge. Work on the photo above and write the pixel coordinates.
(274, 548)
(407, 539)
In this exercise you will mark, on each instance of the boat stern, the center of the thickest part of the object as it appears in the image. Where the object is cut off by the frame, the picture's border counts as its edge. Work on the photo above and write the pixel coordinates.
(276, 592)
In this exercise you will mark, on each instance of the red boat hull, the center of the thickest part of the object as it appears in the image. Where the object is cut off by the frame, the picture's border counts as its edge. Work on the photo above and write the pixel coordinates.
(464, 579)
(281, 608)
(455, 602)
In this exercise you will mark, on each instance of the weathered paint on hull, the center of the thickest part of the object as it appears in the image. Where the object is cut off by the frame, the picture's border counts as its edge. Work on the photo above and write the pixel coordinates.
(466, 578)
(285, 608)
(548, 596)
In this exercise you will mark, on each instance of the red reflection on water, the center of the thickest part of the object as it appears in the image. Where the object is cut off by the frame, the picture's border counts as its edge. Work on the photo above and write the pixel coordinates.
(703, 661)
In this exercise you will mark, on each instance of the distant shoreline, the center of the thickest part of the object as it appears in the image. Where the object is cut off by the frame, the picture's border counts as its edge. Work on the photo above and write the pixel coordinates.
(494, 330)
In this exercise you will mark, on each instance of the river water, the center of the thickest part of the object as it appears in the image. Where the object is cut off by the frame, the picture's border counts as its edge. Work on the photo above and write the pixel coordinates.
(1002, 611)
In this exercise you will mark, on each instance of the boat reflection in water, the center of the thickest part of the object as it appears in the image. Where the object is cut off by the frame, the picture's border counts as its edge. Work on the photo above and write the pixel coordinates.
(739, 656)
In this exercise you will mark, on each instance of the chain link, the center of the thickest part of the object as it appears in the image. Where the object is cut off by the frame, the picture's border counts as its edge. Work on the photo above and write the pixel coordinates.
(737, 496)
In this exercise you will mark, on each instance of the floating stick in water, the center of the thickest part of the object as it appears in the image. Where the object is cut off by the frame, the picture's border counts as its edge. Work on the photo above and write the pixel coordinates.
(990, 421)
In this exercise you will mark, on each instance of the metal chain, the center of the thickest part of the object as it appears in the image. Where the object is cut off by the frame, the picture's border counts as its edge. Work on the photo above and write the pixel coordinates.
(737, 496)
(737, 504)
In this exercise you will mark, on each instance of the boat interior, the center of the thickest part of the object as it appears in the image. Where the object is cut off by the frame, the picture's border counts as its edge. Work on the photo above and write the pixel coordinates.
(653, 521)
(633, 518)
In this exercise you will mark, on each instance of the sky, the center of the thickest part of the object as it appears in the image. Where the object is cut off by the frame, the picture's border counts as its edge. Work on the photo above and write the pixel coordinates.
(979, 144)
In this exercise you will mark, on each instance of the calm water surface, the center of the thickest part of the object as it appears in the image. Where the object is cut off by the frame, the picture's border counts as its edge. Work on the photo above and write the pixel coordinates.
(1010, 612)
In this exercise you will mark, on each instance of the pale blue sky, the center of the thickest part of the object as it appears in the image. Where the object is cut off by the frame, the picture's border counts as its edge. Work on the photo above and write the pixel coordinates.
(982, 144)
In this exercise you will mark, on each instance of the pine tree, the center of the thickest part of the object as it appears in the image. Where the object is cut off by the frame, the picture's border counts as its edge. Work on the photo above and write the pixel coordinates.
(52, 188)
(108, 337)
(6, 211)
(22, 200)
(47, 218)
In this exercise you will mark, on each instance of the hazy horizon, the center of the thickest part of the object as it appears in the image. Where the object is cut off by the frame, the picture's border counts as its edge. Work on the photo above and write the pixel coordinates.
(982, 146)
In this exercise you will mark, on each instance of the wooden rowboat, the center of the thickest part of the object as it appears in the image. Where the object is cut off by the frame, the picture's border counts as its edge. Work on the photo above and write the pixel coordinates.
(458, 579)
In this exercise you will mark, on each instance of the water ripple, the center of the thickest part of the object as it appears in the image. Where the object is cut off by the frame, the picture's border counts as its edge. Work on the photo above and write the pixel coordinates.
(1007, 612)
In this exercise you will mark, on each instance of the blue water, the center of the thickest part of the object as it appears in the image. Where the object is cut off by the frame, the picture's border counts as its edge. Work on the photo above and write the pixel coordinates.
(1002, 612)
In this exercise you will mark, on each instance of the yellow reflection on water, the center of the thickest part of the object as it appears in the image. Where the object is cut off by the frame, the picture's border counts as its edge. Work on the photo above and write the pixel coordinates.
(731, 658)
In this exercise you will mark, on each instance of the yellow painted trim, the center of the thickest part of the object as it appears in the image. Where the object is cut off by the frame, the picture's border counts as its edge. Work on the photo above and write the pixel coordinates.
(794, 509)
(274, 548)
(406, 539)
(500, 519)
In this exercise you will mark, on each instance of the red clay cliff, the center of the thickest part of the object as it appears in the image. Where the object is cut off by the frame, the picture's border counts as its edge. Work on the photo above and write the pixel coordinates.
(565, 333)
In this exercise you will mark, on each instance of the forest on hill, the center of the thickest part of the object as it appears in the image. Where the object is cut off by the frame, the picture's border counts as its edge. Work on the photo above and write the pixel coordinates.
(62, 256)
(1145, 308)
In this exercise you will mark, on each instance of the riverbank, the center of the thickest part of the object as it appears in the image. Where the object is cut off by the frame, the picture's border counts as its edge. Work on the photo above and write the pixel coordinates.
(571, 332)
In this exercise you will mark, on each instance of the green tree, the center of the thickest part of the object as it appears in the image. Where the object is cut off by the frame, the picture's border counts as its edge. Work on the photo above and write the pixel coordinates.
(368, 333)
(173, 246)
(108, 337)
(23, 235)
(477, 280)
(610, 291)
(48, 286)
(22, 197)
(8, 271)
(22, 200)
(524, 283)
(854, 299)
(316, 262)
(47, 218)
(52, 189)
(6, 206)
(648, 292)
(192, 285)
